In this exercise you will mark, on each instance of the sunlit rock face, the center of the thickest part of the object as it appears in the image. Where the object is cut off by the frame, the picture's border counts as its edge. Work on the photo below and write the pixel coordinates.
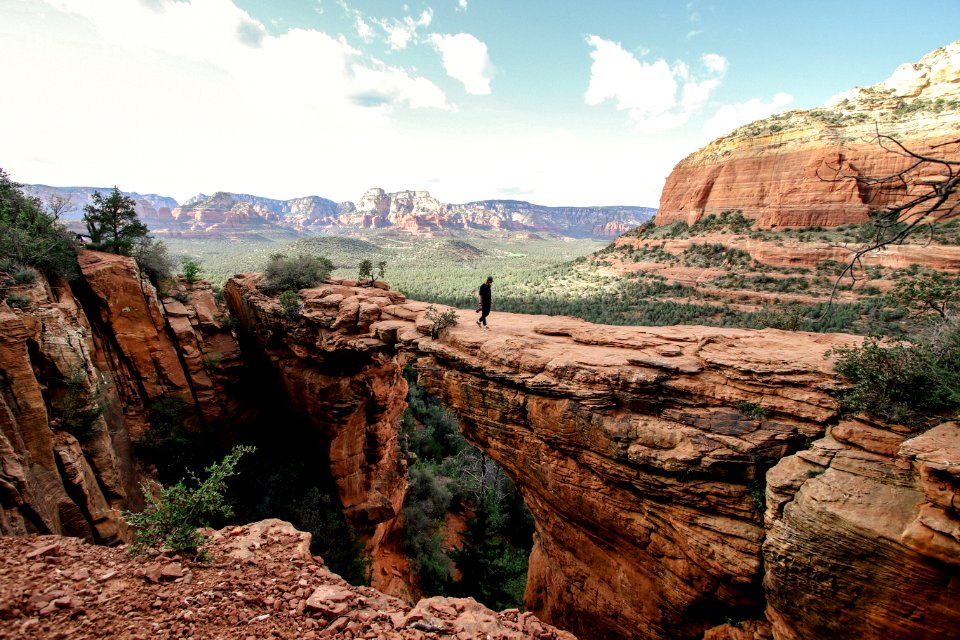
(783, 171)
(82, 363)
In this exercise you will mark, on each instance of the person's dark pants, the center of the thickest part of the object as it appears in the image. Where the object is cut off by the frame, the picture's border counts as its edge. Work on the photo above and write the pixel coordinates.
(484, 312)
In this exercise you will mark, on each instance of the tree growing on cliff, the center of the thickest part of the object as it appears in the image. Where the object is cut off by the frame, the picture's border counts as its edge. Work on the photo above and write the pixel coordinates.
(365, 271)
(112, 223)
(30, 236)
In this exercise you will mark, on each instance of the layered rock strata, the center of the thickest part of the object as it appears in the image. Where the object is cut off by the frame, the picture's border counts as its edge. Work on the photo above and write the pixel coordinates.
(863, 535)
(641, 452)
(804, 168)
(81, 364)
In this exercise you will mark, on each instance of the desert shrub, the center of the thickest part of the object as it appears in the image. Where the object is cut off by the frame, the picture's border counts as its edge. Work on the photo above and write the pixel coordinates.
(24, 275)
(752, 409)
(191, 270)
(153, 259)
(170, 520)
(300, 272)
(903, 382)
(440, 320)
(290, 304)
(715, 255)
(17, 301)
(79, 411)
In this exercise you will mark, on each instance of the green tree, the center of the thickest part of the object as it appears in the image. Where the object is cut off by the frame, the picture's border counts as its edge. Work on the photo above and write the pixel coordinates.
(112, 223)
(191, 270)
(366, 270)
(382, 269)
(937, 292)
(31, 236)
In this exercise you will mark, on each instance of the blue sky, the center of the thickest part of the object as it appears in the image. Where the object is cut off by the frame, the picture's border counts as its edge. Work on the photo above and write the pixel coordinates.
(558, 103)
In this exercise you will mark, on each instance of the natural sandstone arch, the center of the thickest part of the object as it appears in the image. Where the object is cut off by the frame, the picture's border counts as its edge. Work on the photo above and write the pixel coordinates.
(634, 451)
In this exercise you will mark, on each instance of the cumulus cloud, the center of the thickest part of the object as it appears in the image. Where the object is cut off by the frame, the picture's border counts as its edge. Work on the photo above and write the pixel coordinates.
(731, 116)
(461, 5)
(465, 59)
(655, 95)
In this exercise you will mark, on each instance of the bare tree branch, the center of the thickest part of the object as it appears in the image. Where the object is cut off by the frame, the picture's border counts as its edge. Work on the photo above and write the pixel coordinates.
(929, 182)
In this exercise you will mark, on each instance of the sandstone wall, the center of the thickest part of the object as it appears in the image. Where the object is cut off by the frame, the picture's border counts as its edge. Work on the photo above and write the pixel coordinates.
(103, 346)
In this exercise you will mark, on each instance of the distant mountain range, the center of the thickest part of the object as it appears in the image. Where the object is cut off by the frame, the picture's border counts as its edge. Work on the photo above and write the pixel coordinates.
(411, 212)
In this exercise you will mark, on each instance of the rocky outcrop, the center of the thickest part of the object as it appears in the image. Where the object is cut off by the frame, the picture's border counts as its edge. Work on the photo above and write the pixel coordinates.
(262, 583)
(783, 171)
(346, 385)
(640, 451)
(863, 533)
(81, 365)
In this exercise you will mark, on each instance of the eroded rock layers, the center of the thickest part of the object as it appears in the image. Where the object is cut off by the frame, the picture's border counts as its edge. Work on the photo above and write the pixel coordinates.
(804, 168)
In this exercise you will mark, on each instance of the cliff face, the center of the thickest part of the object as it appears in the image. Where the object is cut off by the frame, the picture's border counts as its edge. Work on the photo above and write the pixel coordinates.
(642, 454)
(782, 171)
(347, 385)
(81, 365)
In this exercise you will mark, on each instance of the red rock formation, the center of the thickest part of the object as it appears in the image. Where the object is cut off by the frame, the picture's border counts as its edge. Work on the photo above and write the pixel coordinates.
(347, 385)
(863, 535)
(630, 445)
(101, 347)
(782, 171)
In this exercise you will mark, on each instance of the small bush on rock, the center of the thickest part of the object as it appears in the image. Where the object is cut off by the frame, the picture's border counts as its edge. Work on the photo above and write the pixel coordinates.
(290, 304)
(301, 272)
(170, 521)
(441, 320)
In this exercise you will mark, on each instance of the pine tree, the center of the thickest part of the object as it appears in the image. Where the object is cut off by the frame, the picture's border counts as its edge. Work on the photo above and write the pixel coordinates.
(112, 223)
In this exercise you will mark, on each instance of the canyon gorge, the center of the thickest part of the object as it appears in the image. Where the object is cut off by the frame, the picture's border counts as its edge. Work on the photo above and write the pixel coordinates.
(641, 452)
(685, 481)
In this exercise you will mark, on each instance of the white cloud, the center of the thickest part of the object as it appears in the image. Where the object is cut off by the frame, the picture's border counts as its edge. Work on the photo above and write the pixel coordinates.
(715, 62)
(731, 116)
(364, 30)
(655, 95)
(160, 97)
(461, 5)
(401, 32)
(465, 59)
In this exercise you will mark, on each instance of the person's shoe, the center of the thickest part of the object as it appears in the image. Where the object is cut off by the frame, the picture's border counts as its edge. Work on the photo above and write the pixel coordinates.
(478, 324)
(486, 328)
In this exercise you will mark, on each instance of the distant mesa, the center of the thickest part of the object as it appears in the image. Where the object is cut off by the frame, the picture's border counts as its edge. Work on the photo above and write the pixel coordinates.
(776, 171)
(408, 212)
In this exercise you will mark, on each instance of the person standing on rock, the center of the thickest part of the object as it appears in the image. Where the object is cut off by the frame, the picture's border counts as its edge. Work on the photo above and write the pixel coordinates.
(486, 301)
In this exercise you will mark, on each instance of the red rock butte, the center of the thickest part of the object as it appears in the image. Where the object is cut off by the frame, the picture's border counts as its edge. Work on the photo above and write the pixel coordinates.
(783, 171)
